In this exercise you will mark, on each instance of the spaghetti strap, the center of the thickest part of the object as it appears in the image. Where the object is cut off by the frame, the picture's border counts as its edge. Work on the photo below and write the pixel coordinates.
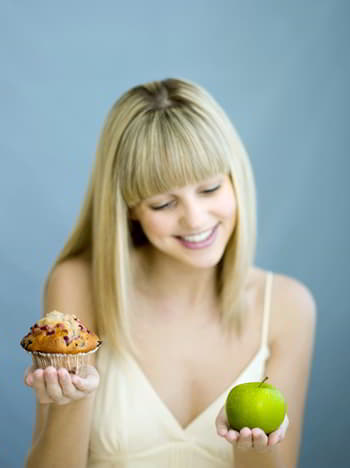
(267, 307)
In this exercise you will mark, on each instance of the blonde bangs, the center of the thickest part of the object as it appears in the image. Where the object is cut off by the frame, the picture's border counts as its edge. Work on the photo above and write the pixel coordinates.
(168, 148)
(156, 137)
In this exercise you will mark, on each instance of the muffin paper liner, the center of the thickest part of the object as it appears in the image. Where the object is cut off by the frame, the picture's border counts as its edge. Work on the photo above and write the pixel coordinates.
(74, 363)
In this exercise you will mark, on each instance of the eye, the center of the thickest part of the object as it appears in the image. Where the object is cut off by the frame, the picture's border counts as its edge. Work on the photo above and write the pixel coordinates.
(169, 204)
(155, 208)
(212, 189)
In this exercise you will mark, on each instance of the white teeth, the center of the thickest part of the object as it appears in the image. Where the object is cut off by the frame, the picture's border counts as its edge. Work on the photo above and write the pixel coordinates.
(198, 237)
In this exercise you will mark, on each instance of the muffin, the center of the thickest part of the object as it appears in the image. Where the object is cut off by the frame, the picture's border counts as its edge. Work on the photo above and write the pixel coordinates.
(60, 340)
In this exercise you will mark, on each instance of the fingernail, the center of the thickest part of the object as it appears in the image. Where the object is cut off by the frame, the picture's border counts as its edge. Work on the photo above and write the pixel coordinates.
(29, 380)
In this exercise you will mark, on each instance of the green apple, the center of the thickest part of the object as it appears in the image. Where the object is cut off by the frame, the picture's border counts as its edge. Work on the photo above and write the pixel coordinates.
(255, 404)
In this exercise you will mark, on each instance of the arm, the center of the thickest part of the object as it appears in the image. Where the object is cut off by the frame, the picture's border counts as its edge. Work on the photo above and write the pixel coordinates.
(62, 431)
(293, 318)
(64, 438)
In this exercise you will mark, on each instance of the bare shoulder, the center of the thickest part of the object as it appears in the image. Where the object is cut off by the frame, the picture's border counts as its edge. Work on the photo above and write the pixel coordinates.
(291, 338)
(69, 290)
(293, 306)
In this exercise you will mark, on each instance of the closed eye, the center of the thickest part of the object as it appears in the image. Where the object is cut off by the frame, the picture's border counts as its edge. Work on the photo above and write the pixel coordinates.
(212, 189)
(155, 208)
(160, 207)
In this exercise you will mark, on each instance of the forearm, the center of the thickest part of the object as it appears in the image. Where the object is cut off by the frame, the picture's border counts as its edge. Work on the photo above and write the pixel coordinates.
(64, 440)
(271, 458)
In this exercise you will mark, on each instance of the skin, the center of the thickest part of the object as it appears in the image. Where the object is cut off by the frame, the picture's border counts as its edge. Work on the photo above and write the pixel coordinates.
(64, 408)
(58, 386)
(186, 211)
(250, 439)
(165, 261)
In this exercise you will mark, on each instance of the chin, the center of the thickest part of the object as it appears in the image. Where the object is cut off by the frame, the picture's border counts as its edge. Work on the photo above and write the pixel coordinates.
(207, 261)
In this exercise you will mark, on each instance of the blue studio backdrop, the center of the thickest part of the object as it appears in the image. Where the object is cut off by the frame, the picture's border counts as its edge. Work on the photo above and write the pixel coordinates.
(280, 69)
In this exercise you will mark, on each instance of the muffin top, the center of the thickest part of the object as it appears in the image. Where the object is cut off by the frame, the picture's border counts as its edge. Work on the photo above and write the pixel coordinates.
(63, 333)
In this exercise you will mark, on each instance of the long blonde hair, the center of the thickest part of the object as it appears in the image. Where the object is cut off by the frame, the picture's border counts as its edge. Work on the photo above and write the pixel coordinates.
(157, 136)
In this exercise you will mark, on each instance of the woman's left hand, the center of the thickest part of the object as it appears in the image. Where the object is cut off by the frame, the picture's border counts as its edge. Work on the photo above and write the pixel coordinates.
(249, 439)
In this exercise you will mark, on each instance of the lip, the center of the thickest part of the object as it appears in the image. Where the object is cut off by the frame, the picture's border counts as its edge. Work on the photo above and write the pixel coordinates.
(200, 245)
(197, 233)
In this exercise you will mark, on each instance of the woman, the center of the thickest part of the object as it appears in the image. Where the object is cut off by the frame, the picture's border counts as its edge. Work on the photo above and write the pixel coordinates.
(161, 265)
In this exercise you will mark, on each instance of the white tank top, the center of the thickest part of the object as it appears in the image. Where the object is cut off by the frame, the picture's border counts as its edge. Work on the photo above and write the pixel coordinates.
(133, 428)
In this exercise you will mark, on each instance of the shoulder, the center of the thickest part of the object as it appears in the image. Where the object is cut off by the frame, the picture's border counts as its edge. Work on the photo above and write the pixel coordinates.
(291, 339)
(293, 308)
(69, 289)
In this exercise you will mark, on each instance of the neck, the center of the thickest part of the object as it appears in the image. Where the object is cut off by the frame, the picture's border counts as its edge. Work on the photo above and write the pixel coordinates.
(176, 284)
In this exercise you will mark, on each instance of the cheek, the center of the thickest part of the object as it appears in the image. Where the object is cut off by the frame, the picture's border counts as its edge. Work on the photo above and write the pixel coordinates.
(229, 210)
(228, 207)
(157, 226)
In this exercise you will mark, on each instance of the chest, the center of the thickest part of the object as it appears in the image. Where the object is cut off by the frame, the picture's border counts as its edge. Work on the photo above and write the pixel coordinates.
(190, 368)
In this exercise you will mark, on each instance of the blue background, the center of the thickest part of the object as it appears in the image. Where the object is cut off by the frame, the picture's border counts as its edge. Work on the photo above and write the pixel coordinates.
(280, 69)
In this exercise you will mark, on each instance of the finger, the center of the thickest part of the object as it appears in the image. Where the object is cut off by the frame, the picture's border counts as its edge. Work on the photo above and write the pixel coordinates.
(284, 426)
(28, 376)
(259, 439)
(245, 439)
(274, 438)
(39, 386)
(52, 385)
(232, 436)
(38, 381)
(29, 380)
(278, 435)
(68, 389)
(83, 385)
(88, 384)
(221, 423)
(222, 430)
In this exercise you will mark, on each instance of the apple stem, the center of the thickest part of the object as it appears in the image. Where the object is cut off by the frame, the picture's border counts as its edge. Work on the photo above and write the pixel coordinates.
(260, 384)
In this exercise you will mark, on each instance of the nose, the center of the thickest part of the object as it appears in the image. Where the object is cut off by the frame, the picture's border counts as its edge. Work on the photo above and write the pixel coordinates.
(193, 216)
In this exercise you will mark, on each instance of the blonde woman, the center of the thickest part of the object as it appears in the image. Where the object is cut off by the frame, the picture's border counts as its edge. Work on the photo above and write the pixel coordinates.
(161, 265)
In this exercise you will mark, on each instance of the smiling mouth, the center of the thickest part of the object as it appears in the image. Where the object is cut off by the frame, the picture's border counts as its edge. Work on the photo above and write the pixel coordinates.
(200, 237)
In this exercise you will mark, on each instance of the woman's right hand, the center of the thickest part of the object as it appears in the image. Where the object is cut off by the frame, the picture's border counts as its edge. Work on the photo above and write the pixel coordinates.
(59, 386)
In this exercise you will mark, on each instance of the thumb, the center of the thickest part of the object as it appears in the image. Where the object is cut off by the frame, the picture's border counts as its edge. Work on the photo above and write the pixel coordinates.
(89, 382)
(222, 422)
(28, 376)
